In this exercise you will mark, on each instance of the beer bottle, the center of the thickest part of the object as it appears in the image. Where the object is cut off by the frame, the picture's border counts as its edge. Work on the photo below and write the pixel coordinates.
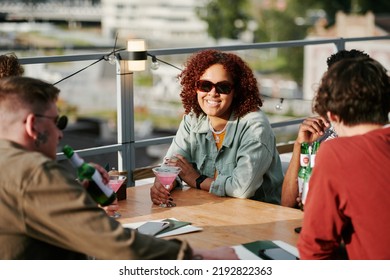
(304, 158)
(314, 149)
(305, 189)
(301, 179)
(100, 192)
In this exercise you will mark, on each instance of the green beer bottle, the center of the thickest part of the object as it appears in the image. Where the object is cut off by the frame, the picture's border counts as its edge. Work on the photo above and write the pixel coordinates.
(314, 148)
(306, 184)
(301, 179)
(304, 158)
(100, 192)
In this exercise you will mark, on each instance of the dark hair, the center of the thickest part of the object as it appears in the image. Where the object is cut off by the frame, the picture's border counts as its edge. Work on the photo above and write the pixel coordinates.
(10, 66)
(355, 89)
(246, 91)
(345, 54)
(16, 92)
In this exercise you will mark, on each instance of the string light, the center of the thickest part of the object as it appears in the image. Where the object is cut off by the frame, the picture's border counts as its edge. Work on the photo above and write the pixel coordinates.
(280, 105)
(155, 64)
(111, 59)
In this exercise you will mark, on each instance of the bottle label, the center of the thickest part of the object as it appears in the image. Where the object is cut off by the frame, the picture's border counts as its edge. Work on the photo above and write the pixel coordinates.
(301, 181)
(99, 181)
(305, 191)
(304, 160)
(312, 160)
(76, 160)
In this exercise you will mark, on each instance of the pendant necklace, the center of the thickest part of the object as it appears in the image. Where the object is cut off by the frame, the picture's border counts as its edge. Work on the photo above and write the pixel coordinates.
(217, 133)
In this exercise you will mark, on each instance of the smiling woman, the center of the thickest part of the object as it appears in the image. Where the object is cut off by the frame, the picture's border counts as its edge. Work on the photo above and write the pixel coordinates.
(225, 144)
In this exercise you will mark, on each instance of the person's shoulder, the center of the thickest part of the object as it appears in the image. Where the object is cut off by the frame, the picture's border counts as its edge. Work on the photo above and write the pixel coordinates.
(255, 115)
(15, 150)
(195, 123)
(193, 119)
(256, 118)
(386, 129)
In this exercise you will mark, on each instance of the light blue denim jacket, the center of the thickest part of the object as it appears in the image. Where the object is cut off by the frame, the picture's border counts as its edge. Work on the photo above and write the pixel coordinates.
(248, 163)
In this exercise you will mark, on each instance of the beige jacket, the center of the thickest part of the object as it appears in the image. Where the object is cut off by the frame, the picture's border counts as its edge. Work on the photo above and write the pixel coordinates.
(46, 214)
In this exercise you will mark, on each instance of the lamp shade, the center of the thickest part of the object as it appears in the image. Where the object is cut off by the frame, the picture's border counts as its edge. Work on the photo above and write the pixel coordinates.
(136, 45)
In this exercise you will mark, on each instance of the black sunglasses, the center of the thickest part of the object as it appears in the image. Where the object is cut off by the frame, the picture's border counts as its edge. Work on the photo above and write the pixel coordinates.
(223, 87)
(59, 121)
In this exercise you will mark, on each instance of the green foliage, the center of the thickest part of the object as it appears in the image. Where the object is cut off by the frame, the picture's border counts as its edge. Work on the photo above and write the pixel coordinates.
(143, 79)
(225, 18)
(275, 24)
(279, 25)
(331, 7)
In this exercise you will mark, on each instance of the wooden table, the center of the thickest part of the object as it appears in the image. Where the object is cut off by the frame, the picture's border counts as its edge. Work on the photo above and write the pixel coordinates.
(225, 221)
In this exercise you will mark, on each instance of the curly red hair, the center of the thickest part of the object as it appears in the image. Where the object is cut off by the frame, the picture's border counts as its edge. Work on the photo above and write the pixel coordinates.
(246, 92)
(10, 66)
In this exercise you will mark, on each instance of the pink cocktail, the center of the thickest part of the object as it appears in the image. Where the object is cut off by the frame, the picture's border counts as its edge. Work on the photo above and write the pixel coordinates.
(166, 175)
(115, 183)
(166, 179)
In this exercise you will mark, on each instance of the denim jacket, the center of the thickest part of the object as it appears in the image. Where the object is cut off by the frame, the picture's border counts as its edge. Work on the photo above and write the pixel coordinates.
(248, 163)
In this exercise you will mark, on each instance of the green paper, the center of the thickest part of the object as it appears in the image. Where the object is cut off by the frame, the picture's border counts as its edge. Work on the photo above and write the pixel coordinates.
(256, 246)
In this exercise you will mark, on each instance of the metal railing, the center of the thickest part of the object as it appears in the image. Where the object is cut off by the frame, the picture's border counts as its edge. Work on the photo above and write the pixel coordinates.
(127, 144)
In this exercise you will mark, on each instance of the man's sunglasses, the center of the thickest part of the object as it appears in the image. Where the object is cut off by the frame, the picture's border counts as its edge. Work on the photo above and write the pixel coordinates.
(59, 121)
(223, 87)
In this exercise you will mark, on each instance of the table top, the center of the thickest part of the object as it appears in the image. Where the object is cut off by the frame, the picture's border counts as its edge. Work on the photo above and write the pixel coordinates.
(225, 221)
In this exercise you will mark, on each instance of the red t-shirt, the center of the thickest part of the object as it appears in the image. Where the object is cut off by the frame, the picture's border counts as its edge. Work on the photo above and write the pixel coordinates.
(349, 199)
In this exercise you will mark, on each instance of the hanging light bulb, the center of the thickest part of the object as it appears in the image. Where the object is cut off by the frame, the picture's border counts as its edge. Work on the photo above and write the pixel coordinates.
(112, 59)
(155, 64)
(280, 105)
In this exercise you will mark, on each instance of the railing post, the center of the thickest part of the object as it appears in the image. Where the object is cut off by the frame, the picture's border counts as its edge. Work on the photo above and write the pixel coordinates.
(125, 119)
(340, 44)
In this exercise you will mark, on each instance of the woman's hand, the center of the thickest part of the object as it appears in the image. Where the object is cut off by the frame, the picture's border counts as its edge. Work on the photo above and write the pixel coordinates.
(159, 194)
(188, 173)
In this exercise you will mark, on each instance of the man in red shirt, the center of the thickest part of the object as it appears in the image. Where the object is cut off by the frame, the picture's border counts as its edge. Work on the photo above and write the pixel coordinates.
(349, 196)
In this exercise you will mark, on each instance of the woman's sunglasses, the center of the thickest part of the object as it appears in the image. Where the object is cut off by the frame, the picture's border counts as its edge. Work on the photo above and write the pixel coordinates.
(223, 87)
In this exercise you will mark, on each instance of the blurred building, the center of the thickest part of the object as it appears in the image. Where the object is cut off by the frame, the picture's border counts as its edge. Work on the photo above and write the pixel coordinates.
(346, 26)
(159, 22)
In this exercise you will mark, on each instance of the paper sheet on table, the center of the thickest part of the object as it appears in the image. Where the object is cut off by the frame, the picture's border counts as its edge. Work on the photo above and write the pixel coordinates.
(245, 254)
(181, 230)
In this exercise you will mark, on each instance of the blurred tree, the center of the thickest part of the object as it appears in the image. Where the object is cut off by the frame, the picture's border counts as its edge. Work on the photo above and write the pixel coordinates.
(225, 18)
(278, 23)
(292, 21)
(331, 7)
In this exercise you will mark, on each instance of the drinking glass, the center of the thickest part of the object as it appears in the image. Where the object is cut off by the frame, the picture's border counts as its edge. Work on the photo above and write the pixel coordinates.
(166, 175)
(115, 183)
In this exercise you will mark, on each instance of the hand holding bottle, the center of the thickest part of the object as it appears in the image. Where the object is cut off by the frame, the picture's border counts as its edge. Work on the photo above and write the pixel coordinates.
(311, 129)
(99, 191)
(103, 173)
